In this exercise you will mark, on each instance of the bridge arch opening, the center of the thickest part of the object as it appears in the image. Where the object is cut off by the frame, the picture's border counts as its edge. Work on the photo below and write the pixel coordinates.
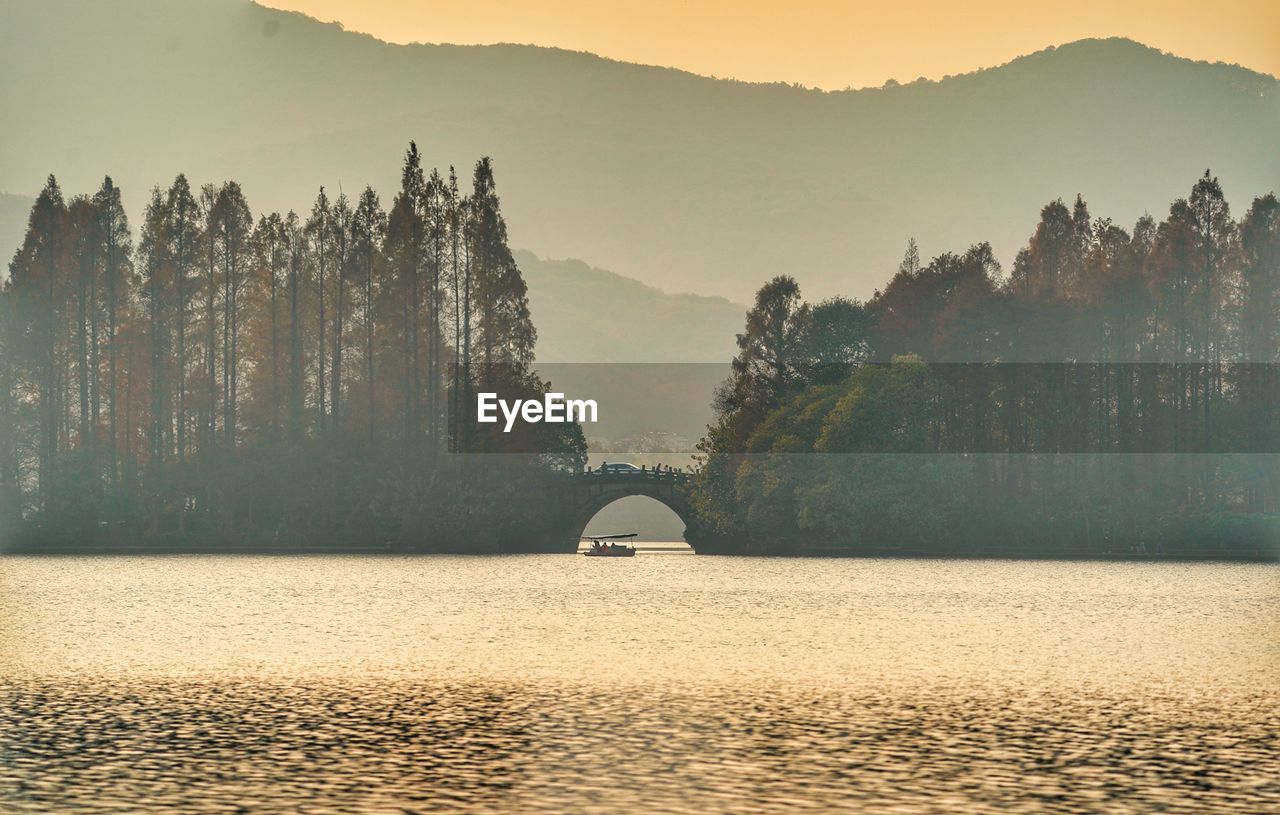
(651, 519)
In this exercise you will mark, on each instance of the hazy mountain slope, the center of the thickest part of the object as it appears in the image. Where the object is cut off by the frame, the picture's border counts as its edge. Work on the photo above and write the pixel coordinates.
(582, 314)
(681, 181)
(590, 315)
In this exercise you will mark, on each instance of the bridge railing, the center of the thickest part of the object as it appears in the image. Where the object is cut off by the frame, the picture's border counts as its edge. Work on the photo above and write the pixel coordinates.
(672, 476)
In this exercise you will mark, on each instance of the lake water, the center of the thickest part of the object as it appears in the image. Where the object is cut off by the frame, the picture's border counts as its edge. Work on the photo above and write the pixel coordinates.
(661, 683)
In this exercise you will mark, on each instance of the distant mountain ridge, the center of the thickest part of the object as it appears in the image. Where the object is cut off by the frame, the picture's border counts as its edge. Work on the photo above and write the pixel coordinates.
(591, 315)
(683, 182)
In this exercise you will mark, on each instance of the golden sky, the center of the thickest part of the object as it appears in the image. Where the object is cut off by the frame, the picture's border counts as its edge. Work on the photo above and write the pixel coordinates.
(824, 43)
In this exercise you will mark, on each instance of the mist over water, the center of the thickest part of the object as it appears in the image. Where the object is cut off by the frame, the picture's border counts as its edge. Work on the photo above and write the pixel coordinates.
(656, 683)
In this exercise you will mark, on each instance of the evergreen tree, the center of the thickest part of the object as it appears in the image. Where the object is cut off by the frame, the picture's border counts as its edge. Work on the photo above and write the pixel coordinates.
(368, 229)
(234, 226)
(183, 238)
(38, 285)
(497, 290)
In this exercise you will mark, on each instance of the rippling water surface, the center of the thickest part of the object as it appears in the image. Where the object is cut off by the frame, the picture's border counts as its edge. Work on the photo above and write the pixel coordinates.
(660, 683)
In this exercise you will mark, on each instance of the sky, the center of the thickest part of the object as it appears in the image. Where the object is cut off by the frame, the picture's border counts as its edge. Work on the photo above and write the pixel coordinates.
(821, 43)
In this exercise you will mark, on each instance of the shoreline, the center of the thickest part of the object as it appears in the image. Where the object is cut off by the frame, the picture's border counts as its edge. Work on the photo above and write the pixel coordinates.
(258, 550)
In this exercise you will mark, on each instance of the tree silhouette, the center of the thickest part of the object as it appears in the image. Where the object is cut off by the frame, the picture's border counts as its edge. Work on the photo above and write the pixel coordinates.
(233, 380)
(1160, 345)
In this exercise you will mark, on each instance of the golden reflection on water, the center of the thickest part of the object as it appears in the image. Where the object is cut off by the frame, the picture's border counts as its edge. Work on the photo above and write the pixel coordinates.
(657, 683)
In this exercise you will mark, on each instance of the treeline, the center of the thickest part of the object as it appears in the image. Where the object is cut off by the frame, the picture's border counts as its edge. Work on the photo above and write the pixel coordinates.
(1117, 392)
(287, 378)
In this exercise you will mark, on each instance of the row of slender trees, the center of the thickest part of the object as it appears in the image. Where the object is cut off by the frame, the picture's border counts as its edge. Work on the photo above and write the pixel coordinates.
(1161, 344)
(138, 381)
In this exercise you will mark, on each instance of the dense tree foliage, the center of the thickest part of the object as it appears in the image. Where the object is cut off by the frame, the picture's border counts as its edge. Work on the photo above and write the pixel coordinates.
(1117, 392)
(289, 379)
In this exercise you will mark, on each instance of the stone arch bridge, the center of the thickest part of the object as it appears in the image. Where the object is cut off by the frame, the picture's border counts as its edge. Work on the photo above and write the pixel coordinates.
(585, 494)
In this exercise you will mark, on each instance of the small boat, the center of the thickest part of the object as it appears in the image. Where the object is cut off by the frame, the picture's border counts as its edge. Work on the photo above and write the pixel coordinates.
(603, 546)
